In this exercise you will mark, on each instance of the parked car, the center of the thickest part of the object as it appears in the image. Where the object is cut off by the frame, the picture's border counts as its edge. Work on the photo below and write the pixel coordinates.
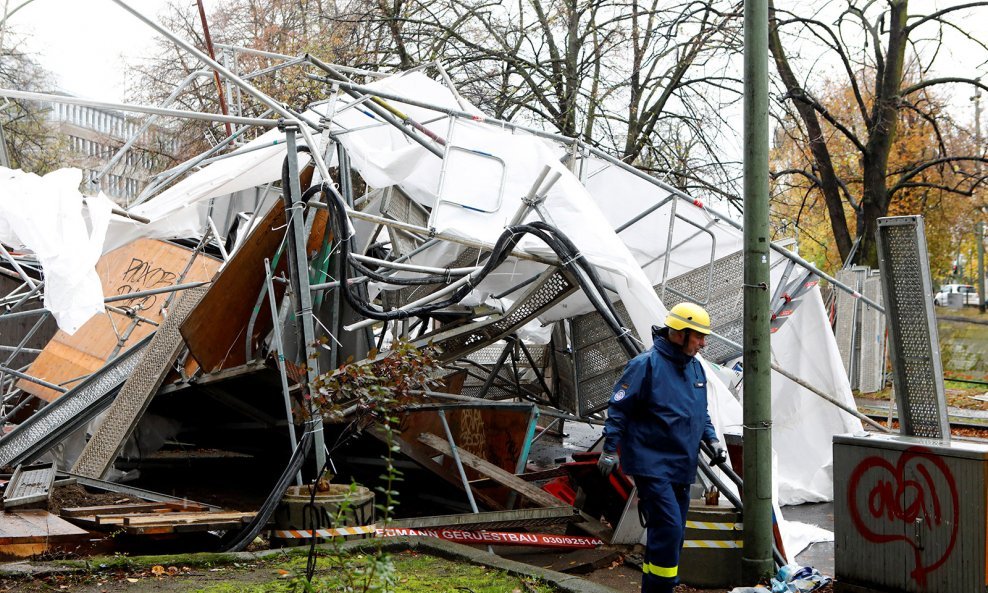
(970, 294)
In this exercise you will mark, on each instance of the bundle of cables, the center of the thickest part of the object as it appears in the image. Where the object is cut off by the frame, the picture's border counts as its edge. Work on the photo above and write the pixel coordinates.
(569, 256)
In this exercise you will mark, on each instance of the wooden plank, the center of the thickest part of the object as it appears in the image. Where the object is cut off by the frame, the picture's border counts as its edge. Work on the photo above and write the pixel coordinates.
(417, 454)
(508, 479)
(232, 298)
(186, 518)
(36, 526)
(112, 508)
(142, 265)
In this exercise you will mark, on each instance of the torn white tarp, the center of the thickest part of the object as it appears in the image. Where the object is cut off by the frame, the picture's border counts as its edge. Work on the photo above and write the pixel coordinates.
(48, 216)
(180, 211)
(804, 424)
(477, 192)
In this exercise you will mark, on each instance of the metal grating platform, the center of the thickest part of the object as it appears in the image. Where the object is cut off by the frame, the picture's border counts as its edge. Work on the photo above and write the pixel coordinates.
(135, 395)
(917, 372)
(29, 485)
(724, 301)
(49, 425)
(504, 387)
(553, 286)
(871, 377)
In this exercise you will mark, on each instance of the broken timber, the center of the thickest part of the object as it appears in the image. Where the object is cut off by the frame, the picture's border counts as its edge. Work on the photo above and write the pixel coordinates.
(533, 493)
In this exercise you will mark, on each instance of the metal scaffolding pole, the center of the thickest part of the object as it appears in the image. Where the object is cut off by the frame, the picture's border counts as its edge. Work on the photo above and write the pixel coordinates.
(298, 269)
(756, 561)
(247, 121)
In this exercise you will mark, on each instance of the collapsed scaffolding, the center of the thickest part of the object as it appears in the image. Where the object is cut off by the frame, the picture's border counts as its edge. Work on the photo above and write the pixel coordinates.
(499, 246)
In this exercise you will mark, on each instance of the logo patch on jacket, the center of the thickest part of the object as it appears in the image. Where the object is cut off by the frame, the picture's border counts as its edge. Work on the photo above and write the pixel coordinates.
(619, 395)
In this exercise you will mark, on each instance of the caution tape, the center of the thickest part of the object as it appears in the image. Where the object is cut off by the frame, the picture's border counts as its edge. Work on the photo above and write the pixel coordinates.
(713, 543)
(545, 540)
(497, 537)
(714, 526)
(337, 532)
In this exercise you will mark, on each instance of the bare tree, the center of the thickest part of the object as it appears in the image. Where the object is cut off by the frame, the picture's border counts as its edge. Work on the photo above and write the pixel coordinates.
(31, 143)
(887, 57)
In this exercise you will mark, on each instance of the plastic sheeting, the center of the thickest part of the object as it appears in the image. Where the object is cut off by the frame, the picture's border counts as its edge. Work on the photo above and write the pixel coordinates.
(180, 211)
(804, 424)
(479, 189)
(49, 216)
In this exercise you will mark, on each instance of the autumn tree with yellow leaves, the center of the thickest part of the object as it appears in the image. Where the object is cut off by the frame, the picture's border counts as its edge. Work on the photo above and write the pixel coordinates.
(877, 138)
(921, 180)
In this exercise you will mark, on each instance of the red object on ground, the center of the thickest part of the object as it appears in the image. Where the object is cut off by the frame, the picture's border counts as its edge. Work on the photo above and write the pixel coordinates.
(561, 489)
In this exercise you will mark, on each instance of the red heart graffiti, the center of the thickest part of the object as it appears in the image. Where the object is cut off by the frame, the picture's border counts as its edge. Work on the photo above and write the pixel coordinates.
(902, 499)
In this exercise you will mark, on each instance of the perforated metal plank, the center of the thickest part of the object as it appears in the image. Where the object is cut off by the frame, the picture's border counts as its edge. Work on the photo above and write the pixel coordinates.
(844, 328)
(137, 391)
(872, 359)
(553, 286)
(917, 372)
(29, 484)
(49, 425)
(724, 301)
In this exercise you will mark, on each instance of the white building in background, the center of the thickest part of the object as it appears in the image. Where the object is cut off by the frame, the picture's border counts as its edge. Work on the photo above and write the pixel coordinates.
(92, 136)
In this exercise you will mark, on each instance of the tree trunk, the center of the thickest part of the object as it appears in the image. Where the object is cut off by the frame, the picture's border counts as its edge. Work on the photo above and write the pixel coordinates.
(817, 141)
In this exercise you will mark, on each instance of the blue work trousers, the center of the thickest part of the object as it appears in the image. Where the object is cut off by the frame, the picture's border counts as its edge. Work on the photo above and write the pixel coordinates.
(663, 507)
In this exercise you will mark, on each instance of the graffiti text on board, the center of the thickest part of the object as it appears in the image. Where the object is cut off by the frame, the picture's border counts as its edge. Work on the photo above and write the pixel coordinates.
(144, 275)
(913, 501)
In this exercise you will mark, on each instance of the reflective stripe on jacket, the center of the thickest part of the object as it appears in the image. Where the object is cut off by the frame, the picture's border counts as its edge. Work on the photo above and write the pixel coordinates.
(658, 414)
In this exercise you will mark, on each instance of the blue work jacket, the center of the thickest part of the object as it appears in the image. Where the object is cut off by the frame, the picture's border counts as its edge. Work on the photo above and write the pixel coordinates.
(658, 414)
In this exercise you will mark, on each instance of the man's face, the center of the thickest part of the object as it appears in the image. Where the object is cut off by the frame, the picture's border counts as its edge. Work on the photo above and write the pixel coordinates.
(688, 340)
(693, 343)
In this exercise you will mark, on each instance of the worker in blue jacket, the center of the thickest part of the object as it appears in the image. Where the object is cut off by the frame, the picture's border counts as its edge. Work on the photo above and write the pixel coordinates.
(656, 419)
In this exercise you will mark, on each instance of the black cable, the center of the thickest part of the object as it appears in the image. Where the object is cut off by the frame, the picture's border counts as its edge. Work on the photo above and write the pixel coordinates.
(564, 248)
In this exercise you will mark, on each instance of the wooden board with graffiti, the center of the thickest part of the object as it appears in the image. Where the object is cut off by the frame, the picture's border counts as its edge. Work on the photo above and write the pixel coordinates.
(142, 265)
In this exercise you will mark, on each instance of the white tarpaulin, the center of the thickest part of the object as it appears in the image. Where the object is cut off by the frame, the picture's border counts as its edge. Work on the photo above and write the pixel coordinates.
(48, 216)
(487, 174)
(180, 210)
(804, 424)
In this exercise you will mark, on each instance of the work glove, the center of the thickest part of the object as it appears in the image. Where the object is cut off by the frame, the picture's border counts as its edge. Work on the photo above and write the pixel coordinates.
(606, 463)
(720, 453)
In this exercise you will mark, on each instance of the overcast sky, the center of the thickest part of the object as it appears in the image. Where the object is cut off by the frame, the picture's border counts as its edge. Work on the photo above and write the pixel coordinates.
(85, 42)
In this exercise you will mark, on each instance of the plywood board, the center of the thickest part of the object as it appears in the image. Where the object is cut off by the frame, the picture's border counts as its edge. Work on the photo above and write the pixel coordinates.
(216, 331)
(36, 527)
(142, 265)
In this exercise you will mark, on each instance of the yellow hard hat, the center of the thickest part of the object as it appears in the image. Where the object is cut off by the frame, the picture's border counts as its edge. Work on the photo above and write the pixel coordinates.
(688, 316)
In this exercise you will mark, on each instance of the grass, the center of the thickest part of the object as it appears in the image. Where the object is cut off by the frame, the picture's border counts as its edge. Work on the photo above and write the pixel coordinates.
(413, 573)
(407, 572)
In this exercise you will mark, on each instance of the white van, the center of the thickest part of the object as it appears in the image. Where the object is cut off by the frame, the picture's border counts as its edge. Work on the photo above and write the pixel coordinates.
(970, 294)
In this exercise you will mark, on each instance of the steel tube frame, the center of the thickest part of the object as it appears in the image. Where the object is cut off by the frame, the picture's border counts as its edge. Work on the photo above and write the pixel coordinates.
(251, 90)
(282, 371)
(45, 97)
(609, 159)
(298, 266)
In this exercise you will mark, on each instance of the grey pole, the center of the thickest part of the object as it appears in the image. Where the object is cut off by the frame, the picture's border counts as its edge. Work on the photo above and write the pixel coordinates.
(756, 561)
(980, 237)
(298, 267)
